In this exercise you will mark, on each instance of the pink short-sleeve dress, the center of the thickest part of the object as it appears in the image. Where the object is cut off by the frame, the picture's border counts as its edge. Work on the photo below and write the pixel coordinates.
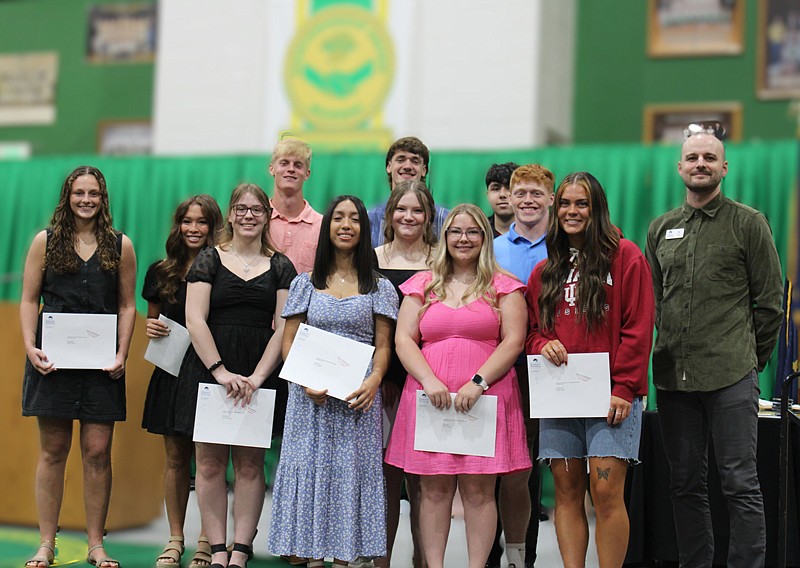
(455, 343)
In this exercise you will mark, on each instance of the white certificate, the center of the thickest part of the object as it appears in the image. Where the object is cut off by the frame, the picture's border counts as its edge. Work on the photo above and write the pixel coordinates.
(218, 421)
(167, 352)
(579, 389)
(80, 341)
(322, 360)
(451, 432)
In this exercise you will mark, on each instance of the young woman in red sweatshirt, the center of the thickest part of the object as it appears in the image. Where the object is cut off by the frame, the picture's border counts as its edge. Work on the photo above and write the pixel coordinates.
(593, 294)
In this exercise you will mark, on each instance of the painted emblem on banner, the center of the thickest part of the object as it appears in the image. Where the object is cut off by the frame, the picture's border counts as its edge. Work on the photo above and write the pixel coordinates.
(339, 68)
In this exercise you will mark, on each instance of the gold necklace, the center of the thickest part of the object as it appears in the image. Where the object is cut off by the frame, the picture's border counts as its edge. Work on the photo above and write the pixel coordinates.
(342, 278)
(85, 243)
(471, 280)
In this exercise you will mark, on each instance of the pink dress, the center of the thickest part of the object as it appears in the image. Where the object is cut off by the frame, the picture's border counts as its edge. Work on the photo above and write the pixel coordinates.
(455, 343)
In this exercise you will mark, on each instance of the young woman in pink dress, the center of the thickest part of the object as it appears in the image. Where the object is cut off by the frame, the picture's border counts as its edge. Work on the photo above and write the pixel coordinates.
(468, 316)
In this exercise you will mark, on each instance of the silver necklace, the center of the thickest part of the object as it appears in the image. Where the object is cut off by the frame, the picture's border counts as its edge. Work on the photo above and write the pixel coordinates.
(246, 265)
(85, 243)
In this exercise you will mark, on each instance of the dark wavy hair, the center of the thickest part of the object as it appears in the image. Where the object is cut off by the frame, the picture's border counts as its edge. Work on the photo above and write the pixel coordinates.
(593, 262)
(364, 258)
(171, 271)
(412, 145)
(60, 255)
(418, 188)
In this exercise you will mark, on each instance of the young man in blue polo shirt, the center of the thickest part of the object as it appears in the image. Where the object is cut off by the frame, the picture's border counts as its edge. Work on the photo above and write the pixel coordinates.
(407, 158)
(518, 251)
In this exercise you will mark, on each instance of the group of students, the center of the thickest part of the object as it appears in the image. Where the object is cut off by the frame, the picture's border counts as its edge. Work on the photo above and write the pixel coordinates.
(443, 315)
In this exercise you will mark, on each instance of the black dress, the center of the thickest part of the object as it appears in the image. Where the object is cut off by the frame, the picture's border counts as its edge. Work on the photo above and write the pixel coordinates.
(76, 394)
(397, 373)
(162, 393)
(240, 319)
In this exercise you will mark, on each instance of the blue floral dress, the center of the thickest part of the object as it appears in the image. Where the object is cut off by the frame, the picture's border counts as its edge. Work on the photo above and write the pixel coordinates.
(329, 498)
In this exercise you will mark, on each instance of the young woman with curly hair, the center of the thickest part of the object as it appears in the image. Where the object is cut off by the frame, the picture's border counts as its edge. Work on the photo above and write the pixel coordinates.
(81, 265)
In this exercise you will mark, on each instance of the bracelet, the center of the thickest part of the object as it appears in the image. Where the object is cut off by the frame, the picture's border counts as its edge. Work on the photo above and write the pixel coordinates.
(215, 366)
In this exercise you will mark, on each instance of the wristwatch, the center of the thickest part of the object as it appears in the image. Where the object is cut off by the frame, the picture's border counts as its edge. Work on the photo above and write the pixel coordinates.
(481, 382)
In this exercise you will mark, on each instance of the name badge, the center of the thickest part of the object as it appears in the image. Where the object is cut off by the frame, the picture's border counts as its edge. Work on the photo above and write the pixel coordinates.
(674, 234)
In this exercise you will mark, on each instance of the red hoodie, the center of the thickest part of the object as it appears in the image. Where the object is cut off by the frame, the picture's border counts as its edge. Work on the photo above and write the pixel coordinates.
(627, 333)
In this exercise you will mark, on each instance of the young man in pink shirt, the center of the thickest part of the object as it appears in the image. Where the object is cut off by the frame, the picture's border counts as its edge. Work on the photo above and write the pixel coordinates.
(294, 225)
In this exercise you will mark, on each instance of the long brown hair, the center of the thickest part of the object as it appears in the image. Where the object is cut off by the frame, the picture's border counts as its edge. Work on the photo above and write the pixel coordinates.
(226, 233)
(593, 260)
(60, 255)
(423, 194)
(171, 271)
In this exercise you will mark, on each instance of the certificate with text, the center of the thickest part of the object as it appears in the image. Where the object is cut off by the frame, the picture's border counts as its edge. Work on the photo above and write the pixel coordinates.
(167, 352)
(322, 360)
(80, 341)
(581, 388)
(218, 421)
(448, 431)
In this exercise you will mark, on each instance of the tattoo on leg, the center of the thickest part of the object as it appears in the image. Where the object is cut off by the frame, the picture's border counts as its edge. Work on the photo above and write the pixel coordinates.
(603, 473)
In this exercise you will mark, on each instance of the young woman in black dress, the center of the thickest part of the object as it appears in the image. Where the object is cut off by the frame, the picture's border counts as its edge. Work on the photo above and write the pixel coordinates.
(195, 225)
(234, 297)
(80, 265)
(409, 239)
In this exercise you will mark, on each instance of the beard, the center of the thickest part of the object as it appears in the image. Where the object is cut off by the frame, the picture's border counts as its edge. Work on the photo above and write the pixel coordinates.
(707, 186)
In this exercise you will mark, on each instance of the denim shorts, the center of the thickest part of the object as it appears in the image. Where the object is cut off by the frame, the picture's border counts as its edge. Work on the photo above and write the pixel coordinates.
(562, 438)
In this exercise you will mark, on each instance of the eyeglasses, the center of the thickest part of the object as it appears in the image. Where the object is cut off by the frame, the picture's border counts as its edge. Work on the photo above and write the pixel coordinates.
(472, 234)
(256, 210)
(715, 128)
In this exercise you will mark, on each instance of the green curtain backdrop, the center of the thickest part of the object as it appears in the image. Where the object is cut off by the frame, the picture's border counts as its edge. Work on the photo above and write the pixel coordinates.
(641, 183)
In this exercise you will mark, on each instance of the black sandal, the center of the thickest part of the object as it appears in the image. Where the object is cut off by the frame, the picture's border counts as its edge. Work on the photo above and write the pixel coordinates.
(250, 554)
(215, 548)
(247, 550)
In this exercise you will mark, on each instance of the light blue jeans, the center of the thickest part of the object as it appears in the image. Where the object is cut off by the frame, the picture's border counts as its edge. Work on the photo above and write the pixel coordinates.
(562, 438)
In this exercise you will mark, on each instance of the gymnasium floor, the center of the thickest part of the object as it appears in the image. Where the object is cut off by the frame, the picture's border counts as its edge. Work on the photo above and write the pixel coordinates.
(138, 548)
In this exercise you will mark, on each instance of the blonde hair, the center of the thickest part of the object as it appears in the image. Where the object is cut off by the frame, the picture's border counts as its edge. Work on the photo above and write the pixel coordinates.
(442, 264)
(292, 148)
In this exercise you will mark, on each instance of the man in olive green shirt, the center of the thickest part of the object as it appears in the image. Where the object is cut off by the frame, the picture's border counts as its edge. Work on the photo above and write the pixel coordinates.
(718, 289)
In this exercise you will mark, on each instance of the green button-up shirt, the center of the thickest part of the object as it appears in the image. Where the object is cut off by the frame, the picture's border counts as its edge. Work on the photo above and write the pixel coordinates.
(718, 290)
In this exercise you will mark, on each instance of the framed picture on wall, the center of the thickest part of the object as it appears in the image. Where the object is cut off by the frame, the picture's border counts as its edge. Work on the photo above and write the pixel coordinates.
(778, 49)
(121, 33)
(124, 137)
(686, 28)
(28, 88)
(664, 124)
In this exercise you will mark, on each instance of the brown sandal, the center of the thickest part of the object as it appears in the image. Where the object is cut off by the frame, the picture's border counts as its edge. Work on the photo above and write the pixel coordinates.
(104, 560)
(202, 556)
(172, 553)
